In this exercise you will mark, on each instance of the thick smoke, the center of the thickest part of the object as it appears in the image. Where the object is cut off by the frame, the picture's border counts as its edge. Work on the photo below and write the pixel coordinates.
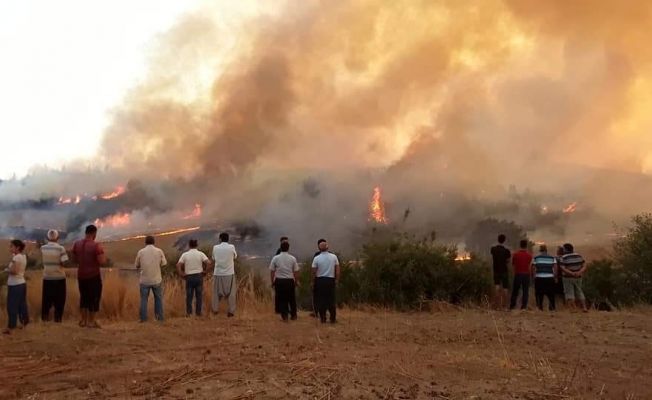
(291, 119)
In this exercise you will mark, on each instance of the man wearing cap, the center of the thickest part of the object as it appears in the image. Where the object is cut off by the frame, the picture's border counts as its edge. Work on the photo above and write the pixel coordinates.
(54, 277)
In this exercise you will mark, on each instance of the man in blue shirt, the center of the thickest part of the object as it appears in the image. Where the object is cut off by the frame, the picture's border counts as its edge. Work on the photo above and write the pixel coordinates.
(325, 273)
(544, 269)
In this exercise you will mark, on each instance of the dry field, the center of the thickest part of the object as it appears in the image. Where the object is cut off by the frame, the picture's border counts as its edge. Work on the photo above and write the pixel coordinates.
(372, 354)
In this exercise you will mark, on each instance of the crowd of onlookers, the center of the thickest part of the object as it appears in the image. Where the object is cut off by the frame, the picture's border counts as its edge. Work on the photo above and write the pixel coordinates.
(193, 267)
(562, 272)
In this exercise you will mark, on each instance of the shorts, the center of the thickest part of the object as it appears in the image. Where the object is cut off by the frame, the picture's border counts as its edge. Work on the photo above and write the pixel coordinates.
(501, 278)
(573, 288)
(90, 293)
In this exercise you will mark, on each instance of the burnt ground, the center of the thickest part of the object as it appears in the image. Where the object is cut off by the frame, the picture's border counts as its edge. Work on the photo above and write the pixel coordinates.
(453, 354)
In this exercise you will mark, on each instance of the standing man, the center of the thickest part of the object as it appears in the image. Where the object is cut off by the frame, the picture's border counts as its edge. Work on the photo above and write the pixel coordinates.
(283, 239)
(149, 261)
(224, 280)
(500, 256)
(192, 267)
(285, 276)
(522, 261)
(326, 274)
(573, 268)
(89, 255)
(54, 277)
(544, 269)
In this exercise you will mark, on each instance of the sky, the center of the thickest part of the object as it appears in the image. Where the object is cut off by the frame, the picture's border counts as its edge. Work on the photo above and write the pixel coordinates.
(64, 65)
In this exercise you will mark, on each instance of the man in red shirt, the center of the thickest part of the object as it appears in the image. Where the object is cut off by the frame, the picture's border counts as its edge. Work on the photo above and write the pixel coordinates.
(522, 261)
(89, 255)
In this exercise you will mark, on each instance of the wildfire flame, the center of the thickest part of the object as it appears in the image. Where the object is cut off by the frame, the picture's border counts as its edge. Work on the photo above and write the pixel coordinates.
(120, 219)
(463, 257)
(377, 208)
(571, 208)
(117, 192)
(196, 212)
(167, 233)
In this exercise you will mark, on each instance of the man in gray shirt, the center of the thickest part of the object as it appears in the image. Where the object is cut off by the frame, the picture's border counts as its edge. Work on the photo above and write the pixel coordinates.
(284, 274)
(325, 273)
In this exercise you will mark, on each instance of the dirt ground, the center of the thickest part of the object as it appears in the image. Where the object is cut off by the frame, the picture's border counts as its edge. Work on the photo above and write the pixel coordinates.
(452, 354)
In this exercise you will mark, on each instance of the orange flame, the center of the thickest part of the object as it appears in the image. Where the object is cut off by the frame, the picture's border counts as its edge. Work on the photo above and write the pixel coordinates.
(113, 221)
(463, 257)
(167, 233)
(571, 208)
(117, 192)
(377, 208)
(196, 212)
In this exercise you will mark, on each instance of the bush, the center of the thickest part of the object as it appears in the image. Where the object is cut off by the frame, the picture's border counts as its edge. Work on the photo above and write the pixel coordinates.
(604, 285)
(405, 272)
(633, 253)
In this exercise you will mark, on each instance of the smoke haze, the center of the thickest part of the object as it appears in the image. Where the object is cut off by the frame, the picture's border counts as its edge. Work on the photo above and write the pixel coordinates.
(291, 118)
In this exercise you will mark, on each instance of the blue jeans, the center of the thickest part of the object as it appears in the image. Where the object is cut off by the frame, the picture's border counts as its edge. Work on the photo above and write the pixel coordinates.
(17, 305)
(158, 301)
(194, 288)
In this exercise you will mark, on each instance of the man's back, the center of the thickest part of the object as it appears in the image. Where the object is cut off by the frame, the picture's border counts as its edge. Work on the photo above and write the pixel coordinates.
(224, 255)
(500, 256)
(53, 255)
(522, 261)
(325, 264)
(150, 259)
(87, 252)
(544, 265)
(285, 265)
(193, 261)
(572, 262)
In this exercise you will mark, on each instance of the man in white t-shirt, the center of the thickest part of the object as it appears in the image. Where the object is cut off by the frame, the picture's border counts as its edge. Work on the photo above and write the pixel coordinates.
(325, 273)
(224, 280)
(149, 261)
(192, 267)
(284, 274)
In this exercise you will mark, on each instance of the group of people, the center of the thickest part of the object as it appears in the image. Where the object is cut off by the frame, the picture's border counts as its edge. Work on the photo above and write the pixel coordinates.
(193, 266)
(566, 267)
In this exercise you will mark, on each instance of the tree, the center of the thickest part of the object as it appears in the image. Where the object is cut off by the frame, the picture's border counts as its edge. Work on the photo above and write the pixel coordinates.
(486, 231)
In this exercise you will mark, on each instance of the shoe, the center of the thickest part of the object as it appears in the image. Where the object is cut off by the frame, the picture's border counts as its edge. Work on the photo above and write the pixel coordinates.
(230, 315)
(333, 321)
(293, 318)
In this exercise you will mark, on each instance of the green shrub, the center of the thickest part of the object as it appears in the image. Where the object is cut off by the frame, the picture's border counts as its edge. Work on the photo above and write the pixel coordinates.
(633, 253)
(604, 285)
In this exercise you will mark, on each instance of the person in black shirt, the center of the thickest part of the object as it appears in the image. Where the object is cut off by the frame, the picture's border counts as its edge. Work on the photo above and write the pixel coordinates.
(284, 239)
(501, 256)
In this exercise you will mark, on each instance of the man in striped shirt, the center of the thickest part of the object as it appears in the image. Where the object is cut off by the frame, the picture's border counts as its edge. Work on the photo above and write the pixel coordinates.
(544, 269)
(54, 277)
(573, 268)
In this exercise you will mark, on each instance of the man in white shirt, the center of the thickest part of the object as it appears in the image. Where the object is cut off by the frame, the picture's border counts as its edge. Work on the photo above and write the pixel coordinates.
(149, 261)
(325, 273)
(224, 280)
(192, 267)
(284, 274)
(53, 256)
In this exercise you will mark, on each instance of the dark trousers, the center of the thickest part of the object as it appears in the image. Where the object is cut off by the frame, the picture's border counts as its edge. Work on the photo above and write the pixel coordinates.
(325, 298)
(285, 297)
(545, 287)
(194, 288)
(90, 293)
(17, 305)
(521, 281)
(54, 295)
